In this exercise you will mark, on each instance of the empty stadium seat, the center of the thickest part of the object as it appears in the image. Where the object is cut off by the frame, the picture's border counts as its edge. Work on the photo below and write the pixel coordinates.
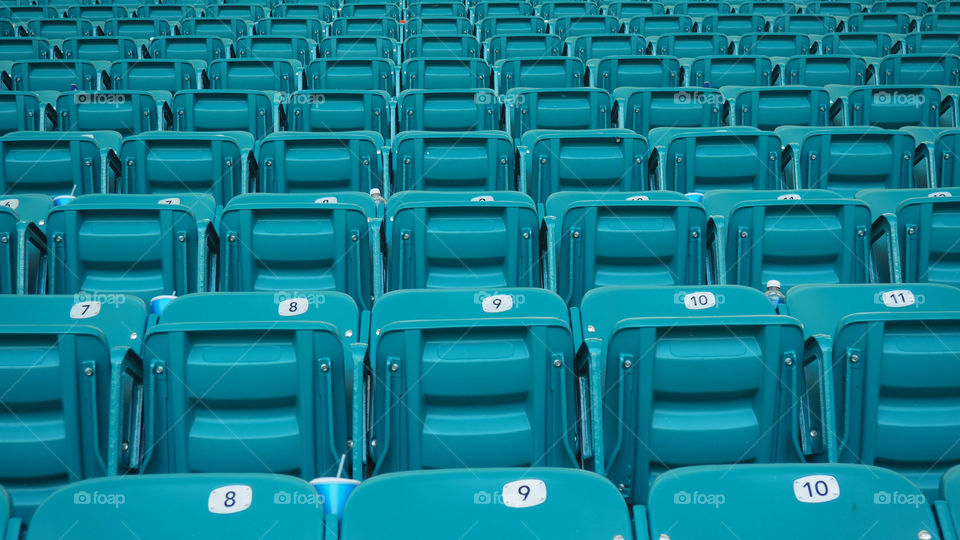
(424, 340)
(702, 9)
(305, 27)
(22, 111)
(20, 48)
(429, 46)
(67, 360)
(351, 161)
(805, 24)
(642, 109)
(226, 110)
(59, 28)
(658, 25)
(611, 239)
(180, 162)
(556, 108)
(766, 8)
(936, 155)
(305, 10)
(365, 27)
(470, 161)
(272, 506)
(58, 75)
(352, 74)
(821, 70)
(549, 503)
(856, 500)
(891, 23)
(692, 45)
(501, 8)
(301, 242)
(613, 72)
(627, 9)
(544, 72)
(846, 159)
(920, 69)
(296, 48)
(939, 22)
(888, 106)
(651, 414)
(220, 388)
(494, 26)
(107, 244)
(373, 10)
(171, 13)
(153, 75)
(126, 112)
(700, 159)
(522, 46)
(229, 29)
(571, 27)
(58, 163)
(876, 348)
(437, 9)
(438, 240)
(932, 43)
(189, 47)
(99, 48)
(914, 238)
(567, 8)
(949, 493)
(597, 46)
(358, 47)
(857, 44)
(340, 110)
(769, 107)
(445, 73)
(740, 70)
(905, 7)
(247, 12)
(733, 25)
(23, 246)
(255, 74)
(836, 8)
(794, 237)
(775, 44)
(439, 26)
(448, 110)
(136, 28)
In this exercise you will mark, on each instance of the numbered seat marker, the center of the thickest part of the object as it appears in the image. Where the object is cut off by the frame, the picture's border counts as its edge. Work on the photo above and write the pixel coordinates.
(898, 298)
(497, 303)
(230, 499)
(482, 198)
(789, 197)
(169, 200)
(85, 310)
(700, 300)
(524, 493)
(817, 488)
(293, 307)
(326, 200)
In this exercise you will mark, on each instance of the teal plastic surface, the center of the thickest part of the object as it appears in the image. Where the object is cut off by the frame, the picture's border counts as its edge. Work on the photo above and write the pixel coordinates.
(58, 173)
(351, 161)
(226, 110)
(522, 46)
(352, 74)
(99, 48)
(189, 47)
(643, 109)
(821, 70)
(769, 107)
(296, 48)
(445, 73)
(692, 45)
(358, 47)
(740, 70)
(59, 75)
(920, 69)
(340, 110)
(611, 73)
(857, 44)
(468, 161)
(429, 46)
(556, 108)
(448, 110)
(153, 74)
(548, 72)
(255, 74)
(126, 112)
(597, 46)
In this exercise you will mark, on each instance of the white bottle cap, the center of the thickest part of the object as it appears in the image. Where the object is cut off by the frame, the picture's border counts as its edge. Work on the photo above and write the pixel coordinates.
(773, 283)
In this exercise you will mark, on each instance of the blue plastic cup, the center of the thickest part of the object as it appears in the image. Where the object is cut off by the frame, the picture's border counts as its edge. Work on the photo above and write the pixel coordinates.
(62, 200)
(157, 303)
(334, 492)
(695, 196)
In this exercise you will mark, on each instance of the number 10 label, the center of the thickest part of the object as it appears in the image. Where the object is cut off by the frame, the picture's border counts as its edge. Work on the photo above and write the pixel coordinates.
(817, 488)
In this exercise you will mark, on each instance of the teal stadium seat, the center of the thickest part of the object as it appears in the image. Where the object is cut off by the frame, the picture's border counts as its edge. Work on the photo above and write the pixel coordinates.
(505, 46)
(100, 48)
(939, 22)
(268, 506)
(351, 161)
(352, 74)
(821, 70)
(296, 48)
(543, 72)
(627, 9)
(920, 69)
(275, 75)
(794, 237)
(490, 503)
(594, 47)
(836, 8)
(196, 48)
(141, 245)
(9, 525)
(767, 8)
(305, 27)
(438, 26)
(915, 9)
(699, 159)
(769, 107)
(226, 110)
(47, 163)
(168, 163)
(651, 26)
(733, 25)
(805, 24)
(932, 43)
(443, 240)
(13, 49)
(445, 73)
(887, 106)
(265, 385)
(23, 246)
(228, 29)
(557, 109)
(305, 10)
(949, 510)
(501, 8)
(686, 375)
(22, 111)
(153, 75)
(362, 26)
(914, 234)
(751, 501)
(885, 358)
(775, 44)
(322, 111)
(598, 161)
(126, 112)
(448, 110)
(567, 8)
(301, 242)
(428, 46)
(573, 27)
(479, 161)
(857, 44)
(246, 12)
(692, 45)
(373, 10)
(612, 72)
(936, 158)
(703, 9)
(437, 9)
(642, 109)
(613, 239)
(495, 26)
(358, 47)
(891, 23)
(431, 405)
(171, 13)
(21, 14)
(740, 70)
(68, 365)
(57, 75)
(59, 28)
(847, 159)
(137, 28)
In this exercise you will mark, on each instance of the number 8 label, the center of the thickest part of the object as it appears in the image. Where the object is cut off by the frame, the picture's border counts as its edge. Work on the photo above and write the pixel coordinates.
(524, 493)
(230, 499)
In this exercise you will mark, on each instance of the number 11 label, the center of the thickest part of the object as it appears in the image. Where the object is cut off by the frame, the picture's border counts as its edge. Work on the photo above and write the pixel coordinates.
(817, 488)
(524, 493)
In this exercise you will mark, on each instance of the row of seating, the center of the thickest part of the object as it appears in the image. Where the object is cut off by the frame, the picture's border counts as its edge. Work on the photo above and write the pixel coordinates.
(749, 501)
(464, 378)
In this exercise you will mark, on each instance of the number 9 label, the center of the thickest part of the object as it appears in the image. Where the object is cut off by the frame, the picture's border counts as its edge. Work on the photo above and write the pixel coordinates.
(497, 303)
(524, 493)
